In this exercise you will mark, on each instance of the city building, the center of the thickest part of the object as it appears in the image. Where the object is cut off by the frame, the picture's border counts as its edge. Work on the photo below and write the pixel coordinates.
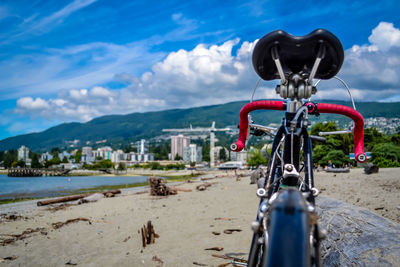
(178, 142)
(142, 146)
(218, 150)
(23, 154)
(192, 153)
(45, 157)
(87, 154)
(239, 156)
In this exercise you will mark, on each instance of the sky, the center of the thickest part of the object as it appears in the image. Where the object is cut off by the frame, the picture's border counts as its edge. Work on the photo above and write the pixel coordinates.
(64, 61)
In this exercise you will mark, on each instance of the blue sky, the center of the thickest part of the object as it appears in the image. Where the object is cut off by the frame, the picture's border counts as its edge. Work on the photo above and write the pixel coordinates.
(63, 61)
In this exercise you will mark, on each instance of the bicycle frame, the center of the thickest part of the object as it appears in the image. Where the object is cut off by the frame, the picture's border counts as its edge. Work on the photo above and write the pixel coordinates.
(287, 199)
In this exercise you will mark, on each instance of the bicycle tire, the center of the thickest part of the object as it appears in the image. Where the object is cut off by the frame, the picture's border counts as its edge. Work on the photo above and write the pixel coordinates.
(289, 231)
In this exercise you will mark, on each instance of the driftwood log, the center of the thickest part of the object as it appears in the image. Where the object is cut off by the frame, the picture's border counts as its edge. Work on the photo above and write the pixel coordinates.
(203, 187)
(72, 198)
(61, 224)
(159, 188)
(148, 234)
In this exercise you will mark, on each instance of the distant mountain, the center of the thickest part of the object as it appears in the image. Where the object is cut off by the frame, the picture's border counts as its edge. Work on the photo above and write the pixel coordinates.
(123, 129)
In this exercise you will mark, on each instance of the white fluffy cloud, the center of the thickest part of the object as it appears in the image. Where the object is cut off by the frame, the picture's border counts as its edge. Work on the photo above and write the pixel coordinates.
(219, 74)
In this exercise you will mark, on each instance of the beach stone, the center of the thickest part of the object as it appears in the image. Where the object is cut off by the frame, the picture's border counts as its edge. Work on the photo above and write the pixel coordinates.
(357, 236)
(256, 175)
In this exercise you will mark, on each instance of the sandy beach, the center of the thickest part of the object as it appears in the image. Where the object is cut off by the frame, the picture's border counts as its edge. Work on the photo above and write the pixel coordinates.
(185, 222)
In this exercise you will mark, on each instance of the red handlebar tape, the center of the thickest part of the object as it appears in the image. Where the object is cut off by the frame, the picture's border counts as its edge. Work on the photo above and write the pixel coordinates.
(358, 127)
(321, 108)
(244, 121)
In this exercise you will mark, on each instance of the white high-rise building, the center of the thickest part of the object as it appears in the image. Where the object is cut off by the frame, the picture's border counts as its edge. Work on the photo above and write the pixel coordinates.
(142, 146)
(178, 142)
(23, 153)
(192, 153)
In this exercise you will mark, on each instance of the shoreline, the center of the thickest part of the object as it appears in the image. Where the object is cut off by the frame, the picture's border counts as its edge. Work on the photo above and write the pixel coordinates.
(168, 178)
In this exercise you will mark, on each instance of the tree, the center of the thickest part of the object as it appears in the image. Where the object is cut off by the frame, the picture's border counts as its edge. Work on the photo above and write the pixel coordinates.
(206, 151)
(177, 157)
(386, 155)
(20, 163)
(256, 159)
(78, 156)
(54, 161)
(65, 160)
(55, 151)
(35, 161)
(222, 155)
(10, 157)
(121, 166)
(337, 157)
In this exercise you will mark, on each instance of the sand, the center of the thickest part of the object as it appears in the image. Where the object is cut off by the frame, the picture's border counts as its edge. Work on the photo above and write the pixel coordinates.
(185, 223)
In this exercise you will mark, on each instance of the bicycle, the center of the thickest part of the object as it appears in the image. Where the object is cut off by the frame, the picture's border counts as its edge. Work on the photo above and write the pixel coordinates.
(286, 231)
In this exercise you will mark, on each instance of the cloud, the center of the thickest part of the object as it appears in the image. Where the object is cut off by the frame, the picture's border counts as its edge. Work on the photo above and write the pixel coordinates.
(213, 74)
(38, 25)
(374, 68)
(385, 36)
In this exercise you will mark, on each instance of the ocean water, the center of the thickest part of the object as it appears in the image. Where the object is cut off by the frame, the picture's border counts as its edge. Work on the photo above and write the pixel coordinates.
(18, 187)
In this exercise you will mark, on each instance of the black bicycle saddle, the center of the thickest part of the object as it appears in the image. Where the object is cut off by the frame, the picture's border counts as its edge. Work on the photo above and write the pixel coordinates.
(297, 54)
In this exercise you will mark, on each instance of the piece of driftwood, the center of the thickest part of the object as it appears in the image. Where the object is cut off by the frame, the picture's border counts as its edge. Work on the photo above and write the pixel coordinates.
(182, 189)
(203, 187)
(223, 219)
(4, 217)
(215, 248)
(224, 264)
(59, 207)
(230, 231)
(159, 188)
(6, 239)
(72, 198)
(9, 258)
(158, 260)
(222, 257)
(61, 224)
(199, 264)
(148, 234)
(216, 233)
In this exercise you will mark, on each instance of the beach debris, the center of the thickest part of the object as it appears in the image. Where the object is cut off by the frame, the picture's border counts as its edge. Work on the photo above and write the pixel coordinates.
(148, 234)
(9, 258)
(182, 189)
(92, 198)
(203, 187)
(59, 207)
(226, 257)
(159, 188)
(58, 225)
(216, 233)
(109, 194)
(223, 219)
(379, 208)
(6, 239)
(199, 264)
(371, 168)
(71, 262)
(72, 198)
(141, 192)
(215, 248)
(126, 239)
(7, 217)
(158, 260)
(230, 231)
(224, 264)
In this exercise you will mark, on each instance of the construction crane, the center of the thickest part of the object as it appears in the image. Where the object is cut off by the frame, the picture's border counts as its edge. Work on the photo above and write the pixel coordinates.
(212, 131)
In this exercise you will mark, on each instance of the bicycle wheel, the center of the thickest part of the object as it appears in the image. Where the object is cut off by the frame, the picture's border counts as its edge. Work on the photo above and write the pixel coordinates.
(289, 231)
